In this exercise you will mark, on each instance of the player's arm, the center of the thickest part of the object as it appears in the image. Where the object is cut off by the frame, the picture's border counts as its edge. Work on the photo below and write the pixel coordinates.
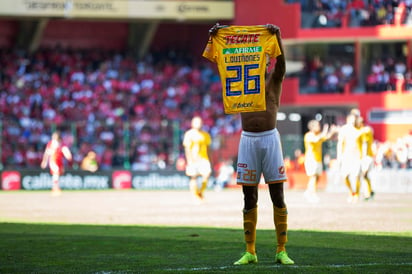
(187, 146)
(67, 154)
(333, 129)
(45, 159)
(280, 67)
(339, 146)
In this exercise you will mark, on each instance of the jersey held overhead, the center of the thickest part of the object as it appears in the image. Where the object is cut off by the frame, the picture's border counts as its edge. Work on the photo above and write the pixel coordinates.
(240, 53)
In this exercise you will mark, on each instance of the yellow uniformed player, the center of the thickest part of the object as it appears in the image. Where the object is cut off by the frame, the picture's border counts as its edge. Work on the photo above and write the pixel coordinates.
(196, 143)
(313, 141)
(260, 149)
(241, 54)
(349, 154)
(367, 156)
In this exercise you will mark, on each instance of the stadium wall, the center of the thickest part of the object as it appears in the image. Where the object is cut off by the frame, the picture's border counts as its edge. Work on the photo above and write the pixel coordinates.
(8, 33)
(38, 179)
(384, 181)
(86, 34)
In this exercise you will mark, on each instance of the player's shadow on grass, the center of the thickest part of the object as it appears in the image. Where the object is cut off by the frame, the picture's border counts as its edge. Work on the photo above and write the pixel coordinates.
(51, 248)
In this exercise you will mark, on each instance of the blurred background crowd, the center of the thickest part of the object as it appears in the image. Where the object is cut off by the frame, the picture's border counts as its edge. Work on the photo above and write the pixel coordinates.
(354, 13)
(107, 102)
(132, 112)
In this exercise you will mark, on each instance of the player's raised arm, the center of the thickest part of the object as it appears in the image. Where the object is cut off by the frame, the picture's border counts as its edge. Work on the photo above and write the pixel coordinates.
(280, 66)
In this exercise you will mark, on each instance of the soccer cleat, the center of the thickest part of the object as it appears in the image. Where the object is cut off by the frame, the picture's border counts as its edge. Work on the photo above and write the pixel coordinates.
(283, 258)
(353, 198)
(56, 192)
(370, 197)
(247, 258)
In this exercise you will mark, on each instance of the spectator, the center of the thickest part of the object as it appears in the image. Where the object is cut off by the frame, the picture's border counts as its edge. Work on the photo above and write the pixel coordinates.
(89, 162)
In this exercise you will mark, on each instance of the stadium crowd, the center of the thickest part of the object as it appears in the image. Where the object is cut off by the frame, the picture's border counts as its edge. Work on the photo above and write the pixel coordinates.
(327, 76)
(125, 110)
(333, 75)
(389, 74)
(107, 102)
(133, 112)
(354, 13)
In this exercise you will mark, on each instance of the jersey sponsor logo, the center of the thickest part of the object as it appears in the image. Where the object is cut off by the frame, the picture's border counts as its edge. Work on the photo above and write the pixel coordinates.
(281, 170)
(242, 165)
(242, 50)
(242, 105)
(242, 38)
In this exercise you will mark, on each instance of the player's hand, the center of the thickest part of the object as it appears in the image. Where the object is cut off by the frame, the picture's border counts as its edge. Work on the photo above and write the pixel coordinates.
(213, 30)
(333, 129)
(272, 28)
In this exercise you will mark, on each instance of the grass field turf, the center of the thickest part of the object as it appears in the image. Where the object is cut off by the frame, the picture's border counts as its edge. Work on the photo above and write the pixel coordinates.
(54, 246)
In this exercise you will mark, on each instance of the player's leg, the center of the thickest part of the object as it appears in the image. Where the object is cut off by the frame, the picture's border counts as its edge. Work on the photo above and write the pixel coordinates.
(280, 218)
(193, 173)
(356, 172)
(366, 167)
(350, 190)
(249, 172)
(203, 186)
(194, 189)
(205, 171)
(55, 187)
(311, 189)
(250, 195)
(55, 171)
(310, 169)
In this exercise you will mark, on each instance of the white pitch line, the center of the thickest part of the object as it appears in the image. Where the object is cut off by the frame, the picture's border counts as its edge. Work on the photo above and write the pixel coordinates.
(289, 266)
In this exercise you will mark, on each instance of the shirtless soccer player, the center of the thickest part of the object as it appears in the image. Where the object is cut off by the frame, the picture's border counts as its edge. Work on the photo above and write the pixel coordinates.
(260, 152)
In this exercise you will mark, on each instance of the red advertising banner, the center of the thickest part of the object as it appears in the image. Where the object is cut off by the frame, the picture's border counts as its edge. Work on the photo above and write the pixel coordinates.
(122, 179)
(10, 180)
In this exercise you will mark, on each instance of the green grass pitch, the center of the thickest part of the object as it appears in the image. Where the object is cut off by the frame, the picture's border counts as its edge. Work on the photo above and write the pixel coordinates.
(65, 248)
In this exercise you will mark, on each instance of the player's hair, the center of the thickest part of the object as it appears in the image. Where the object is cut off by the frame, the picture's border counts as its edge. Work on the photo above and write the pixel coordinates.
(57, 135)
(312, 123)
(355, 111)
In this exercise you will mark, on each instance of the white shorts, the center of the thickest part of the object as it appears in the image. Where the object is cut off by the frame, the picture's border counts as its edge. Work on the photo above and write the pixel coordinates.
(313, 167)
(366, 164)
(351, 167)
(260, 153)
(200, 168)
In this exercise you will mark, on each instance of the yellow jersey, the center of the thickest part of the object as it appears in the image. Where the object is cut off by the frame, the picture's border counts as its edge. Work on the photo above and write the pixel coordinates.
(313, 146)
(240, 53)
(367, 139)
(197, 143)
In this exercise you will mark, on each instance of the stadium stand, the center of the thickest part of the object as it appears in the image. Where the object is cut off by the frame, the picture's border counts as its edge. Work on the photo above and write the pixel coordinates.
(132, 110)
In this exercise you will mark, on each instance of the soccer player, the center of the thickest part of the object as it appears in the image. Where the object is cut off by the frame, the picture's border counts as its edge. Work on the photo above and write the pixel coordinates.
(196, 143)
(53, 156)
(260, 152)
(349, 153)
(367, 156)
(313, 141)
